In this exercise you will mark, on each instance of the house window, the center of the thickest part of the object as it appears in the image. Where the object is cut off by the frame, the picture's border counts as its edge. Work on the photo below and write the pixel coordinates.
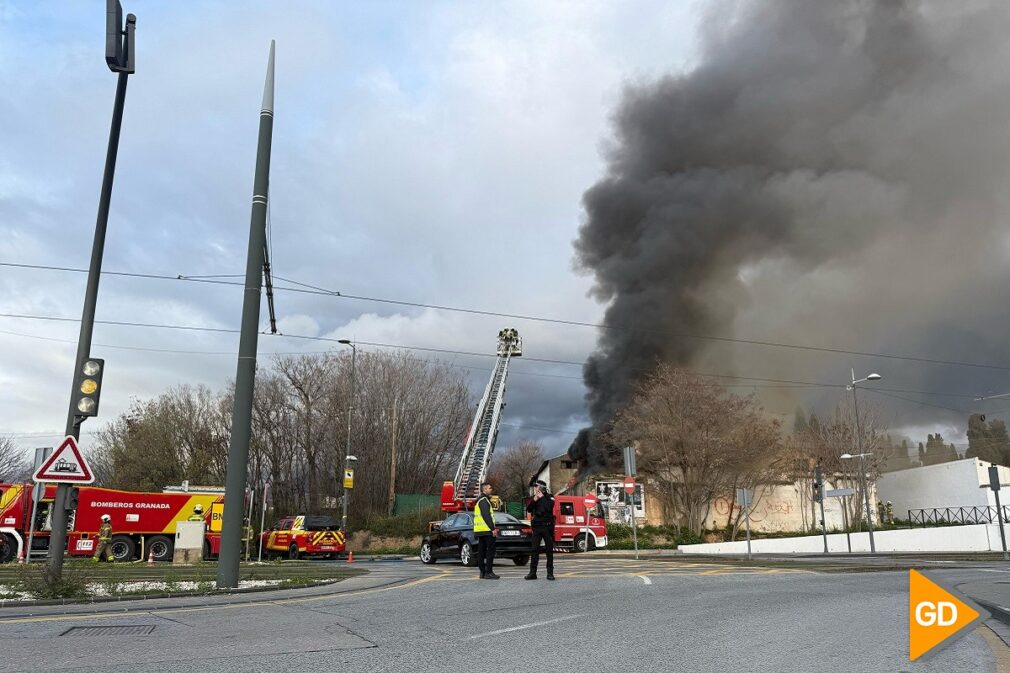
(567, 464)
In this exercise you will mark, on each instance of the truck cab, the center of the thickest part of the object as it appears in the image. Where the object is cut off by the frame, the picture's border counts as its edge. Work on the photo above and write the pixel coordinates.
(570, 524)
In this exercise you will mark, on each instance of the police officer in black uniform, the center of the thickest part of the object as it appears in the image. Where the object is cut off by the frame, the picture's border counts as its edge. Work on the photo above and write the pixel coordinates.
(541, 511)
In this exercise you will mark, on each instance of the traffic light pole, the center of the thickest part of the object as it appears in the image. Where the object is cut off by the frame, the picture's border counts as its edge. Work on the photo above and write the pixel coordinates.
(58, 536)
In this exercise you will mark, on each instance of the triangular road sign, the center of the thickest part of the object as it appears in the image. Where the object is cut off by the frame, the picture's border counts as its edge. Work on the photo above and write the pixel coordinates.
(936, 616)
(66, 465)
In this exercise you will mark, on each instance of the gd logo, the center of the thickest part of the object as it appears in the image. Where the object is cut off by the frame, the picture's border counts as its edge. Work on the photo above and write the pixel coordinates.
(936, 617)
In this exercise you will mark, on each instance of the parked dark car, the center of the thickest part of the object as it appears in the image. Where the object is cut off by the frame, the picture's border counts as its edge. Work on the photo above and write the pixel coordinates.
(454, 538)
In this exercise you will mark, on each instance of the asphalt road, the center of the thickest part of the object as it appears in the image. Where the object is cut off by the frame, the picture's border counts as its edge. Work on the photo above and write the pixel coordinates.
(602, 614)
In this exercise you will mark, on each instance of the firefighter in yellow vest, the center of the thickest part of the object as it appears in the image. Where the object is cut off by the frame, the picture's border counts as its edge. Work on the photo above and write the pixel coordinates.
(104, 544)
(197, 514)
(485, 530)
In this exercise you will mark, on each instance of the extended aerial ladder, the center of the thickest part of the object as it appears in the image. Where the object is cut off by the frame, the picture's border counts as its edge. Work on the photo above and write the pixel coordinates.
(462, 492)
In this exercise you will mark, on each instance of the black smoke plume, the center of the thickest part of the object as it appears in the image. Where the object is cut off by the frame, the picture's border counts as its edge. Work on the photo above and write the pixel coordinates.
(813, 144)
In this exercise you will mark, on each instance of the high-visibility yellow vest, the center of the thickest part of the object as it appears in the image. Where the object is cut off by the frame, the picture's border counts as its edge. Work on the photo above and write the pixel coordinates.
(479, 524)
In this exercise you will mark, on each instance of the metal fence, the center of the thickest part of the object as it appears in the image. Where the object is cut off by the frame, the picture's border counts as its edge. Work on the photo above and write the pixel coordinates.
(954, 516)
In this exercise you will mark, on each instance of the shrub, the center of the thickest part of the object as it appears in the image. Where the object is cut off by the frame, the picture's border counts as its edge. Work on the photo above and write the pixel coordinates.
(403, 525)
(36, 580)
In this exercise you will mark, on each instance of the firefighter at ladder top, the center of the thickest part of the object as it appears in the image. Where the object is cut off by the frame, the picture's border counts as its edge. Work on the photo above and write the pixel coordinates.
(541, 510)
(483, 528)
(197, 514)
(104, 546)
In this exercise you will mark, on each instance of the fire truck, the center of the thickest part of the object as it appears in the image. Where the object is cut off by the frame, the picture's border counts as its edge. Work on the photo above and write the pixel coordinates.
(299, 536)
(570, 524)
(142, 522)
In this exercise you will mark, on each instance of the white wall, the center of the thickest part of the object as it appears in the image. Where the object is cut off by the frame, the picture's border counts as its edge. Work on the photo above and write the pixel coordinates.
(953, 484)
(977, 538)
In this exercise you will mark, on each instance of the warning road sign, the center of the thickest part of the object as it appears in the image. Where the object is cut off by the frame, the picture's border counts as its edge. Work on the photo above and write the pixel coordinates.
(936, 617)
(66, 465)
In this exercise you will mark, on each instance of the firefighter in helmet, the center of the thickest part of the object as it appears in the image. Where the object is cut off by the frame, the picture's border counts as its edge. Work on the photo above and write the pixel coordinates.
(890, 512)
(104, 545)
(197, 514)
(247, 536)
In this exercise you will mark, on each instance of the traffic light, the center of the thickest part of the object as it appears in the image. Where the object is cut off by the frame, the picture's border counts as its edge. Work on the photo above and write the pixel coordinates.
(818, 484)
(88, 387)
(73, 496)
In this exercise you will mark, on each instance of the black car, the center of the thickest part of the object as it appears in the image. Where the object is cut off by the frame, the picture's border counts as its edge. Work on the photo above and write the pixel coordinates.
(454, 538)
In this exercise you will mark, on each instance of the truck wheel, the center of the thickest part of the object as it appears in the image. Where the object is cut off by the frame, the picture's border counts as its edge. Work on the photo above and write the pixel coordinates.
(8, 548)
(466, 555)
(161, 547)
(123, 548)
(427, 556)
(580, 544)
(520, 560)
(293, 552)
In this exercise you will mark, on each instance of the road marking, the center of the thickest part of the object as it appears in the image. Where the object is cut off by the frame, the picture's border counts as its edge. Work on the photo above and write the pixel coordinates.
(644, 579)
(526, 626)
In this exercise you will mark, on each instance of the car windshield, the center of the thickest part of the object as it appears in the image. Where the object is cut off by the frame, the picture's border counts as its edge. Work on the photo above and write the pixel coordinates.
(502, 517)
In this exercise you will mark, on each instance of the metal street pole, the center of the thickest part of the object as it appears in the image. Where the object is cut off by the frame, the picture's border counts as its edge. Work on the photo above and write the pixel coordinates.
(245, 376)
(819, 479)
(845, 518)
(263, 516)
(747, 523)
(347, 455)
(995, 486)
(123, 63)
(252, 500)
(862, 472)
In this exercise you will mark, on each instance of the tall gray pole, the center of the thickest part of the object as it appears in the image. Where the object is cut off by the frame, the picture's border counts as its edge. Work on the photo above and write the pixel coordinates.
(347, 455)
(58, 535)
(862, 472)
(245, 376)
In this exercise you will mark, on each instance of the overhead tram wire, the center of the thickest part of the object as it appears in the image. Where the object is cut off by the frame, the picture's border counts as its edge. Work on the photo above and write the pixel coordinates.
(765, 383)
(315, 290)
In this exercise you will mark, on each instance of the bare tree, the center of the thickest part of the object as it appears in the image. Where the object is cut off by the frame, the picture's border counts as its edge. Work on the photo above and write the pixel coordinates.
(14, 465)
(696, 441)
(512, 469)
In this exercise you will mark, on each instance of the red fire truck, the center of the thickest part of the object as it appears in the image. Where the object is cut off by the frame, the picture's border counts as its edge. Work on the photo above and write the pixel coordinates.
(570, 524)
(141, 522)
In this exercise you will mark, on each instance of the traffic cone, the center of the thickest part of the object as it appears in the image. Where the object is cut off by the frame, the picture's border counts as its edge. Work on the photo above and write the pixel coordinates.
(350, 557)
(150, 558)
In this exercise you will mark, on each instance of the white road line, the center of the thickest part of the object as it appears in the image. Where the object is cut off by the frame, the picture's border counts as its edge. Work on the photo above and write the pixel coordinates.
(644, 579)
(526, 626)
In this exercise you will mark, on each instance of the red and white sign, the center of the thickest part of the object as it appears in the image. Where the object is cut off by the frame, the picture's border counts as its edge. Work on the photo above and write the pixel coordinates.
(590, 501)
(66, 465)
(629, 485)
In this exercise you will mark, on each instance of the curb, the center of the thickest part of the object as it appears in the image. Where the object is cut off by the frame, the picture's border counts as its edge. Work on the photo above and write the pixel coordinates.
(97, 600)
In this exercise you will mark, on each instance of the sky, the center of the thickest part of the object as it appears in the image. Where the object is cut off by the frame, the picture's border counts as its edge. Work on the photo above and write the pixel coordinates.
(451, 154)
(427, 152)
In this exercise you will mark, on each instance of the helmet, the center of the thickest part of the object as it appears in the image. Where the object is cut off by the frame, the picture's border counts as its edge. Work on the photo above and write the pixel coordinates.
(106, 517)
(198, 509)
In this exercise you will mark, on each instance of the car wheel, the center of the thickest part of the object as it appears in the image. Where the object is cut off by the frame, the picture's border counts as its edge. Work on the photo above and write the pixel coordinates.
(521, 560)
(123, 548)
(466, 555)
(427, 556)
(293, 552)
(161, 547)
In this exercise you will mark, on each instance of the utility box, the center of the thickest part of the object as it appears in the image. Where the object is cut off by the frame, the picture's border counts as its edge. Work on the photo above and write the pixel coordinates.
(189, 536)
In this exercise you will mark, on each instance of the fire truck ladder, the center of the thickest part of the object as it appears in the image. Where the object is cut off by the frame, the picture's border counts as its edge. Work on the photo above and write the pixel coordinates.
(484, 429)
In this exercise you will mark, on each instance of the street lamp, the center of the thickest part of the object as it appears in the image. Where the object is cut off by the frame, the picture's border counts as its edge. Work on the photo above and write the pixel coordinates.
(859, 447)
(348, 458)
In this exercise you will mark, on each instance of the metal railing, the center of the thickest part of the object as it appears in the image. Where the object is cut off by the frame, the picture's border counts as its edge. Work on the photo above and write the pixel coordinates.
(954, 516)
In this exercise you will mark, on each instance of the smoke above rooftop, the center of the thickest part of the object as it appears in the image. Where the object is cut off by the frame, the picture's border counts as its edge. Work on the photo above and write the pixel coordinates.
(822, 162)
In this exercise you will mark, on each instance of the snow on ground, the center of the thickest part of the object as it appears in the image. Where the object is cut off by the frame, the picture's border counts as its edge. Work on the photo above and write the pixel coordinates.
(102, 589)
